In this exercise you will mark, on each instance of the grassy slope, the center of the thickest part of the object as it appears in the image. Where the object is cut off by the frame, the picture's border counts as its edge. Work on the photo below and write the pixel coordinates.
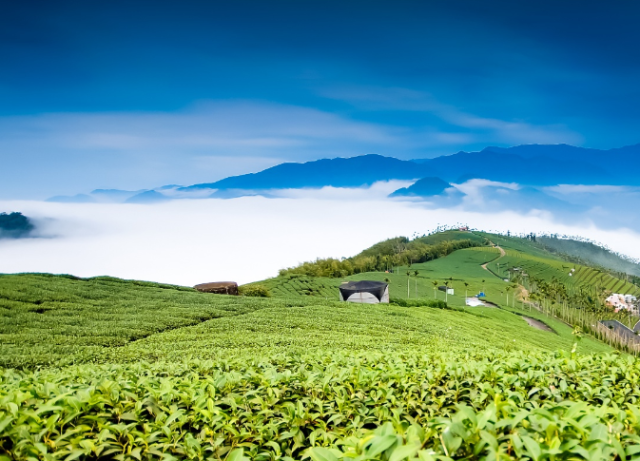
(78, 321)
(451, 235)
(172, 372)
(45, 318)
(547, 266)
(592, 253)
(296, 286)
(465, 266)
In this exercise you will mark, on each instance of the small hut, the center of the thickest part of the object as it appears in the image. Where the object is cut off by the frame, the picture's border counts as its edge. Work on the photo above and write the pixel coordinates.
(364, 291)
(221, 288)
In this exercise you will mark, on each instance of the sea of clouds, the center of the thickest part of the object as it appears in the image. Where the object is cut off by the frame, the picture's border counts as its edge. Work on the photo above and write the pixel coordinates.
(250, 238)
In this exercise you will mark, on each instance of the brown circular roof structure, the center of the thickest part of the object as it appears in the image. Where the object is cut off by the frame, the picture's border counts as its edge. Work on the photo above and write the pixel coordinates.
(229, 288)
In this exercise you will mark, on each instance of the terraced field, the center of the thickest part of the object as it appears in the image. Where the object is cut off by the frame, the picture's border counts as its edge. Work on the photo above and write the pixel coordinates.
(551, 269)
(294, 286)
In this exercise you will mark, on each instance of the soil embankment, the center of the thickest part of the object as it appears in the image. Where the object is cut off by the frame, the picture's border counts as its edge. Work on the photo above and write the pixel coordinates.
(538, 324)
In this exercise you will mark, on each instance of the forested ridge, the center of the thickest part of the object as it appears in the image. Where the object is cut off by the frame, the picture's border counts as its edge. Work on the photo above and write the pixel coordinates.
(398, 251)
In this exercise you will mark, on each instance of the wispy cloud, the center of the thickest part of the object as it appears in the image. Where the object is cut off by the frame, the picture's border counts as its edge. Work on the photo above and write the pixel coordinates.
(71, 152)
(475, 128)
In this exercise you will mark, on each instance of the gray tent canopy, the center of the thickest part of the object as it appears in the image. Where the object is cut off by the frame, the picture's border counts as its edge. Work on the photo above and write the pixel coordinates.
(365, 291)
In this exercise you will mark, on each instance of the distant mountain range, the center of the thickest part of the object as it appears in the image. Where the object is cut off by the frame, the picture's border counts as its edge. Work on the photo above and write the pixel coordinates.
(532, 166)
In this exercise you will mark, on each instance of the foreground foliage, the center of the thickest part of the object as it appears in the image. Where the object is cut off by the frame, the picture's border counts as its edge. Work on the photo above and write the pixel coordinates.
(140, 371)
(328, 407)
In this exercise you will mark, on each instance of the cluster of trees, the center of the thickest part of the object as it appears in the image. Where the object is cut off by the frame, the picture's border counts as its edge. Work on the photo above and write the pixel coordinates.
(382, 256)
(583, 307)
(14, 225)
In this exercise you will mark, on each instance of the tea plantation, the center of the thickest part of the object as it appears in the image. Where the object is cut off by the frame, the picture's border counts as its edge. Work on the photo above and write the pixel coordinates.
(111, 369)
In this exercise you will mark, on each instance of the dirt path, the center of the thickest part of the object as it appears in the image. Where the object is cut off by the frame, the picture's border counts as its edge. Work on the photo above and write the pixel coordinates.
(502, 255)
(522, 291)
(538, 324)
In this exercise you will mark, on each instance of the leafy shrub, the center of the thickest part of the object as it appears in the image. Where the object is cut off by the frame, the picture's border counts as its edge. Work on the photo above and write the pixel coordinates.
(421, 302)
(256, 291)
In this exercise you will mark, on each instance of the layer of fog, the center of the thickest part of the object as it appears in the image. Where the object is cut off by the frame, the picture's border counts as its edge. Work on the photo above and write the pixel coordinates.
(246, 239)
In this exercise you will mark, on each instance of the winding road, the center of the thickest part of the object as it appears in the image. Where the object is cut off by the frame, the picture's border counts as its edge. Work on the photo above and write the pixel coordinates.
(502, 255)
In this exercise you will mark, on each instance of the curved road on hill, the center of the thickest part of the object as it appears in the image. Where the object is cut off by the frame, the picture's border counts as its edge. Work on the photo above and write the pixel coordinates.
(523, 293)
(502, 255)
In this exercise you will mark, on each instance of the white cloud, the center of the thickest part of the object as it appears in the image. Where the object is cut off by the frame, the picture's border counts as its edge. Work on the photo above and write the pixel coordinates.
(246, 239)
(377, 191)
(474, 195)
(586, 189)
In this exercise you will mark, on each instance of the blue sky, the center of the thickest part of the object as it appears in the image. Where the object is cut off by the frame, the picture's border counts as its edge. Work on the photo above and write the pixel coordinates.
(139, 94)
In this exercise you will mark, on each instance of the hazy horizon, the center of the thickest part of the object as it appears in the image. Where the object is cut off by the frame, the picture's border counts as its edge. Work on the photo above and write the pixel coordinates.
(250, 238)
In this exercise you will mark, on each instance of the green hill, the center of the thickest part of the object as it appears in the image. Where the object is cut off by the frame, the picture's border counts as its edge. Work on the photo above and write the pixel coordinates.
(104, 368)
(590, 253)
(527, 276)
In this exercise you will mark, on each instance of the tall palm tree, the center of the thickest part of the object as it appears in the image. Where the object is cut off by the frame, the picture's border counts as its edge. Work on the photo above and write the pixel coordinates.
(466, 288)
(435, 288)
(416, 282)
(408, 277)
(513, 301)
(446, 291)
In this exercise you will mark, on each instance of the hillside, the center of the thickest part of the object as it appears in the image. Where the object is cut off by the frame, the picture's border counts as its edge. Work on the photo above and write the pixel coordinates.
(590, 252)
(528, 275)
(108, 368)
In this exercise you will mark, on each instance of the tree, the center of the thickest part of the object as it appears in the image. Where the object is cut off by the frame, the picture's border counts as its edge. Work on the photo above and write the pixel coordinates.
(408, 277)
(446, 291)
(507, 289)
(15, 225)
(483, 285)
(435, 289)
(466, 288)
(416, 282)
(513, 301)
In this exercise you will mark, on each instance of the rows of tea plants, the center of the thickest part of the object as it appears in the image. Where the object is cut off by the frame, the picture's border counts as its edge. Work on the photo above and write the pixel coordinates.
(123, 321)
(550, 269)
(48, 319)
(329, 406)
(300, 378)
(312, 324)
(295, 285)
